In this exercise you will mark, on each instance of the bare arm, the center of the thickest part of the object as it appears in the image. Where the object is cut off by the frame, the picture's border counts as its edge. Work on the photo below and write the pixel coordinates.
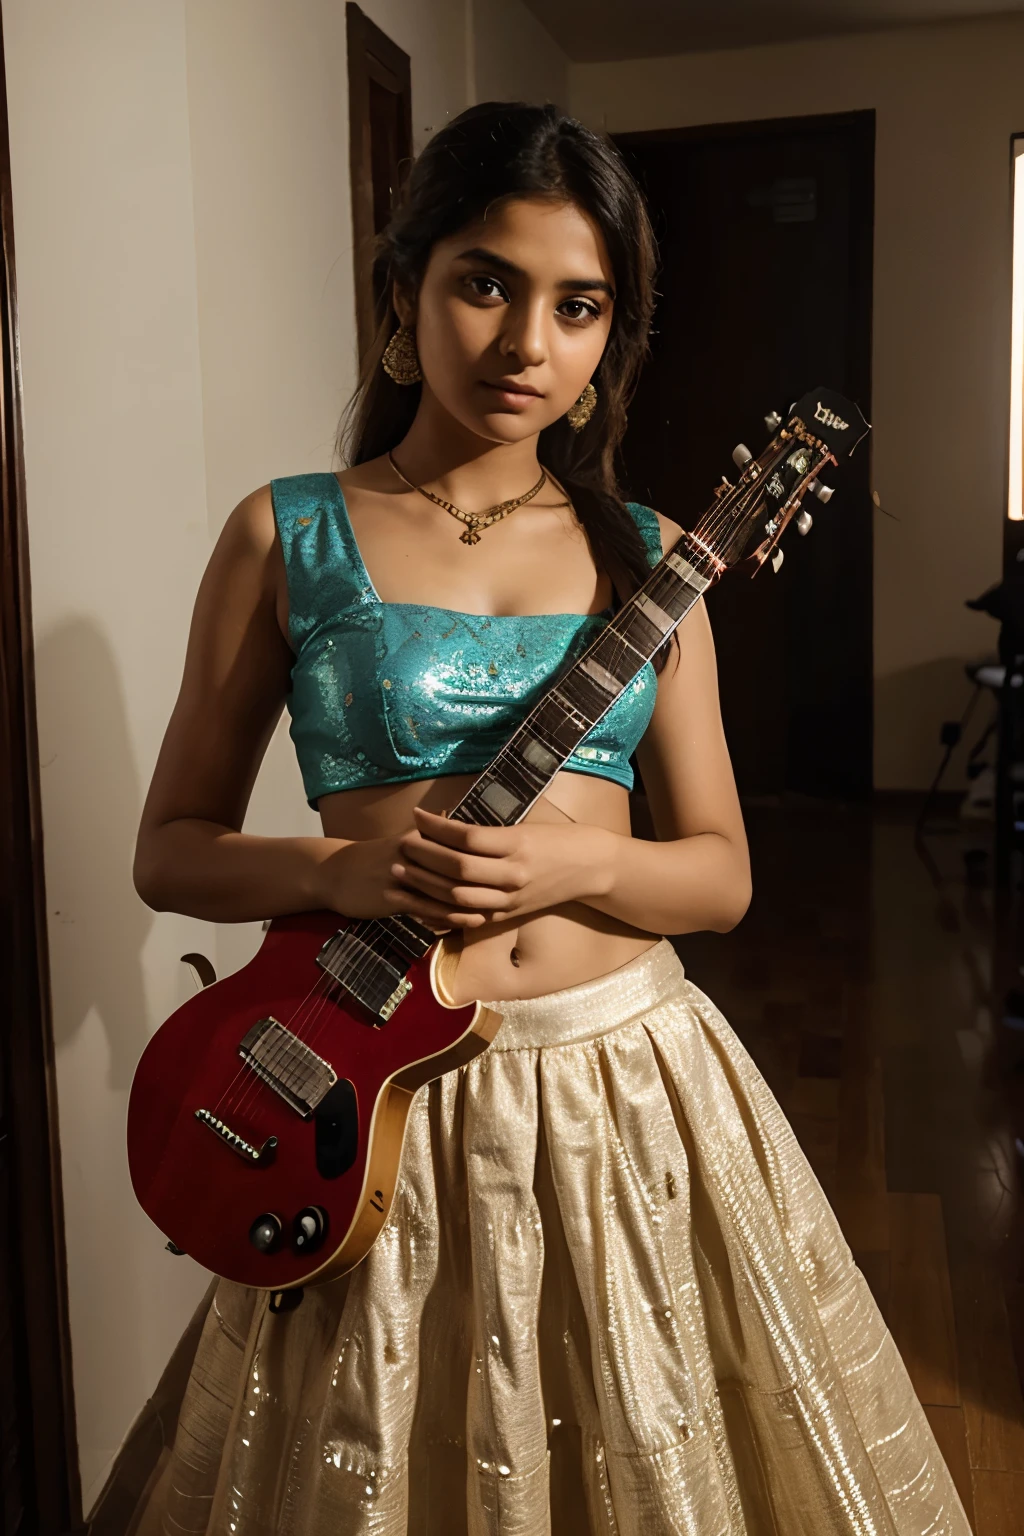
(192, 855)
(697, 875)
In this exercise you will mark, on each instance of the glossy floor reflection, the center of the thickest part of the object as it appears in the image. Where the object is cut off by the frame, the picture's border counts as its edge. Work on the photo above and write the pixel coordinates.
(862, 982)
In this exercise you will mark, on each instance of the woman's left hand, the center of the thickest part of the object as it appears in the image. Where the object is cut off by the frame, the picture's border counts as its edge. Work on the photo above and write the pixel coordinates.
(505, 872)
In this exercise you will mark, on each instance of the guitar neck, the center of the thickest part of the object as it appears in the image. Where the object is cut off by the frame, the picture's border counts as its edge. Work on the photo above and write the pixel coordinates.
(547, 738)
(554, 728)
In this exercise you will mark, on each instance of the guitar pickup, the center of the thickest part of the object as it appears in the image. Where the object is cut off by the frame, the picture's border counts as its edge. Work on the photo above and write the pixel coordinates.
(371, 980)
(286, 1064)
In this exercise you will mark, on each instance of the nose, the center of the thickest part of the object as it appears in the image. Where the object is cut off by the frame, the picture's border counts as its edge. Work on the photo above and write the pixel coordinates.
(523, 334)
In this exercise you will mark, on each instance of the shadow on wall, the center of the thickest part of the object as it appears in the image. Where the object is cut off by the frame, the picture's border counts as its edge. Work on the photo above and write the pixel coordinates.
(92, 803)
(910, 707)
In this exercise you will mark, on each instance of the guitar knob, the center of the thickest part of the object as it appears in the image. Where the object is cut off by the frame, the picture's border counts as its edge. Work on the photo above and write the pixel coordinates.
(777, 559)
(824, 493)
(741, 455)
(265, 1232)
(309, 1228)
(773, 420)
(804, 521)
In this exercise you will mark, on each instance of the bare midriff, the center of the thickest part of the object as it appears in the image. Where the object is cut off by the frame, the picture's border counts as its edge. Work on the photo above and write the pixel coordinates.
(523, 957)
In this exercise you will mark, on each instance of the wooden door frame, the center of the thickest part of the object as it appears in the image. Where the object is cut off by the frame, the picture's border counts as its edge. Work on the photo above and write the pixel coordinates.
(371, 56)
(46, 1442)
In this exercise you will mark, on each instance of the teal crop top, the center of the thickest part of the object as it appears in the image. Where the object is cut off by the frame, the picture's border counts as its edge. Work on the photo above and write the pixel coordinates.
(383, 693)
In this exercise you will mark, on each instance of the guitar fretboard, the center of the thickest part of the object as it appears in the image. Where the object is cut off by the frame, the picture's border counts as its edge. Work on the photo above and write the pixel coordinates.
(547, 738)
(554, 728)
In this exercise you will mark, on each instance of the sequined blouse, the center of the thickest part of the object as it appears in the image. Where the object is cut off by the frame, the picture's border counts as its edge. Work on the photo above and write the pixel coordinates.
(383, 693)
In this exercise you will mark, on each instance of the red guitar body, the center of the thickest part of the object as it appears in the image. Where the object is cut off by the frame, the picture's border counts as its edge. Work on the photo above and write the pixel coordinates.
(202, 1123)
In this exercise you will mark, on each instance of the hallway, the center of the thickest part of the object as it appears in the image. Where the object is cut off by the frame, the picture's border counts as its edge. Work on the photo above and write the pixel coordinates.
(860, 981)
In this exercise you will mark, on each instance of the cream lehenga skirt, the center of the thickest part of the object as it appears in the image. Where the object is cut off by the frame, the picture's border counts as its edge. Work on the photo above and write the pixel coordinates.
(611, 1298)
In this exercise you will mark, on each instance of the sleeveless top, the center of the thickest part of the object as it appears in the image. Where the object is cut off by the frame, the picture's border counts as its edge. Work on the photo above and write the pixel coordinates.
(383, 693)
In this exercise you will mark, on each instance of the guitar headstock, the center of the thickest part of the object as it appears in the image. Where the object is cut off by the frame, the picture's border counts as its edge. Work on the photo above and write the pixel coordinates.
(747, 520)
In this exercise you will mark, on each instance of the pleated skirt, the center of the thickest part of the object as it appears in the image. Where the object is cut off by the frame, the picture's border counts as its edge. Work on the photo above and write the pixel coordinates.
(611, 1299)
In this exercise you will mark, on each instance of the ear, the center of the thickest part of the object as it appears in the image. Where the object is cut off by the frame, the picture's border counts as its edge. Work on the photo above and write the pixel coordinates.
(404, 305)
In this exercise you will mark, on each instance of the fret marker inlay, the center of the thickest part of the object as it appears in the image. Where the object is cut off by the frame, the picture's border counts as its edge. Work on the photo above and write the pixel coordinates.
(685, 570)
(657, 616)
(602, 677)
(500, 800)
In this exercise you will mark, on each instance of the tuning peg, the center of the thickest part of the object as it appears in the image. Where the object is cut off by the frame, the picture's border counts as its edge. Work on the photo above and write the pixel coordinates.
(777, 559)
(773, 420)
(741, 455)
(824, 493)
(804, 521)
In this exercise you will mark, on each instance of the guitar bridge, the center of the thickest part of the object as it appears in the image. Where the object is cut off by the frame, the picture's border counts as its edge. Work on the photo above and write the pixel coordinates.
(259, 1157)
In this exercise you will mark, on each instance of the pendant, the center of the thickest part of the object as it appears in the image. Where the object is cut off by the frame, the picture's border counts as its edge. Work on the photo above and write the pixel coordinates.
(469, 536)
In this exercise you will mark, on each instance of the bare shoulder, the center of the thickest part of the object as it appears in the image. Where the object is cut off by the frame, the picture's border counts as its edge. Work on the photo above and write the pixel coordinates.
(248, 548)
(246, 569)
(670, 531)
(250, 528)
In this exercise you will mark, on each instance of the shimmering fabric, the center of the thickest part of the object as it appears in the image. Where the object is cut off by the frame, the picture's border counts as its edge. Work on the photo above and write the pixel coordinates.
(610, 1299)
(387, 692)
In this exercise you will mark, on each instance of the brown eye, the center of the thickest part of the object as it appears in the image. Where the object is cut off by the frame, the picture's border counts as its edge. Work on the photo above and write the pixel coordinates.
(480, 285)
(583, 311)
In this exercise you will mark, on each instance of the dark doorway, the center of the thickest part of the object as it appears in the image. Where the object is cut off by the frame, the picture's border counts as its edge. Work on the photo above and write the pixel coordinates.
(380, 150)
(765, 232)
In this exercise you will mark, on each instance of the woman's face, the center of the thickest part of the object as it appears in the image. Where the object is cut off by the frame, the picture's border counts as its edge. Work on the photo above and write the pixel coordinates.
(512, 316)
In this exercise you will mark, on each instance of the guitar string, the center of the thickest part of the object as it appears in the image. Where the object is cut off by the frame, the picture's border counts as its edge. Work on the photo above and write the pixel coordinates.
(226, 1102)
(366, 968)
(303, 1019)
(823, 455)
(308, 1027)
(276, 1056)
(305, 1023)
(721, 512)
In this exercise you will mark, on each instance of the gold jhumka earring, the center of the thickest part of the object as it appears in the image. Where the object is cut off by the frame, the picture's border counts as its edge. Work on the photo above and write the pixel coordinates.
(401, 360)
(580, 412)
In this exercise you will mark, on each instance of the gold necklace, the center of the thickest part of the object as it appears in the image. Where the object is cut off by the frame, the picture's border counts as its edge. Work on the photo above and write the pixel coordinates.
(474, 521)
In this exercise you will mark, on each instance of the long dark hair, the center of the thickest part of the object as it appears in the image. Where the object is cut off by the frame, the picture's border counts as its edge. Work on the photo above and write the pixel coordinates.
(503, 149)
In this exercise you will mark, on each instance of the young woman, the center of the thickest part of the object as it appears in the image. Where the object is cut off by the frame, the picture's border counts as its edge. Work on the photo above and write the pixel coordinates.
(610, 1296)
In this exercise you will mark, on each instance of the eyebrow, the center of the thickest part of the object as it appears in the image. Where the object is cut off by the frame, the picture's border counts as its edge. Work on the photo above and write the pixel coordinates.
(567, 284)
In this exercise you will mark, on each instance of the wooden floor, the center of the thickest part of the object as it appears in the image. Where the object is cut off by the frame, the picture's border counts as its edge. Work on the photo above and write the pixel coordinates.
(862, 983)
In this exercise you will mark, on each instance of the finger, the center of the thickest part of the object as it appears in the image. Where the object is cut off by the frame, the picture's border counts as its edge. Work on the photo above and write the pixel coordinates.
(472, 898)
(465, 868)
(433, 913)
(458, 834)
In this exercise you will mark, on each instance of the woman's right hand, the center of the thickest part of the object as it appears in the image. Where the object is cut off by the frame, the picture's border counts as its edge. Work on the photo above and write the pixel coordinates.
(357, 881)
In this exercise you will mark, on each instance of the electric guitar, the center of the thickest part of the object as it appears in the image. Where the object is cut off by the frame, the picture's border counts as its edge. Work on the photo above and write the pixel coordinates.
(267, 1115)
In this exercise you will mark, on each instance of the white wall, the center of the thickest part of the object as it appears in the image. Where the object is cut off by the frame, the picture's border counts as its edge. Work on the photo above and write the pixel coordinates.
(184, 250)
(947, 99)
(514, 58)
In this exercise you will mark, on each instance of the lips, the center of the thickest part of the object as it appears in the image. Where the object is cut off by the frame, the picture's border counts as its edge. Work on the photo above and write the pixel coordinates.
(513, 387)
